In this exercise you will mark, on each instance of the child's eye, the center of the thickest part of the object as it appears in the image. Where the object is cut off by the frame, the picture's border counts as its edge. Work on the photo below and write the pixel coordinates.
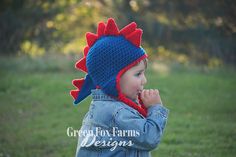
(138, 74)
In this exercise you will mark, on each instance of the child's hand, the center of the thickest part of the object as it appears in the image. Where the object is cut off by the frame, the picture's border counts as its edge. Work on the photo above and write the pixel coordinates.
(150, 97)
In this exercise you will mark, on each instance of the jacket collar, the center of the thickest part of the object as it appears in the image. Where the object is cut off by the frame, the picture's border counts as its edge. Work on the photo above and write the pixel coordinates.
(98, 94)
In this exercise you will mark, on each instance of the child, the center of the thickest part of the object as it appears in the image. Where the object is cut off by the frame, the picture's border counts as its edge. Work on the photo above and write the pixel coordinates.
(123, 118)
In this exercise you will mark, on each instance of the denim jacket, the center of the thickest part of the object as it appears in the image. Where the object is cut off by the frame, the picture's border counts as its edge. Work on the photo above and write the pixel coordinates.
(113, 129)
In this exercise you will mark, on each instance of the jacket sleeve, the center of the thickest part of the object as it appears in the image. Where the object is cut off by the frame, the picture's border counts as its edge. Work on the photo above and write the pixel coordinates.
(150, 128)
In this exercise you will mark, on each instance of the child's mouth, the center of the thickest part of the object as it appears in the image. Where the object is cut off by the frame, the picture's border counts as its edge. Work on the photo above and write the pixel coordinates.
(139, 91)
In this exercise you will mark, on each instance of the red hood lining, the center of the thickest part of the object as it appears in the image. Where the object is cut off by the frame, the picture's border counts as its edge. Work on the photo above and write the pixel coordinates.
(141, 109)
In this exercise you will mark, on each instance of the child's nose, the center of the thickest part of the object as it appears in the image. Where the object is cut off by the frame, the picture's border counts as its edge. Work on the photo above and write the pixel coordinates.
(144, 80)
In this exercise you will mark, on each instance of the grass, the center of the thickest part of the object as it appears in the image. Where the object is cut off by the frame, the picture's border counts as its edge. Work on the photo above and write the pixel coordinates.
(36, 108)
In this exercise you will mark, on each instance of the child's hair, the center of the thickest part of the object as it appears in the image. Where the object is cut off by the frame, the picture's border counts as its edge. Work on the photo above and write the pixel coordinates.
(145, 61)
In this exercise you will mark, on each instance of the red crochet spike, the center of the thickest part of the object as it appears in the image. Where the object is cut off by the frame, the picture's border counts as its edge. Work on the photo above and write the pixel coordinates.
(91, 38)
(86, 50)
(74, 93)
(101, 29)
(78, 83)
(135, 37)
(81, 65)
(128, 29)
(111, 27)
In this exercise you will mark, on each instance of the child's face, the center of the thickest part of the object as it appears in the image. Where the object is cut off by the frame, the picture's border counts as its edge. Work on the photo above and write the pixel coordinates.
(133, 80)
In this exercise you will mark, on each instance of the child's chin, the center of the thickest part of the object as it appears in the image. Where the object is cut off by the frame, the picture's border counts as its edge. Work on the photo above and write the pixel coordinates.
(133, 97)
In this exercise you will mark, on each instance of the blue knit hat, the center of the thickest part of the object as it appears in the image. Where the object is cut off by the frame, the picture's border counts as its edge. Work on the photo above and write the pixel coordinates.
(109, 54)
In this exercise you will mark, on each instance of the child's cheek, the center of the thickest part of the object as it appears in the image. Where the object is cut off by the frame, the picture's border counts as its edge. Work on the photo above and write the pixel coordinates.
(135, 88)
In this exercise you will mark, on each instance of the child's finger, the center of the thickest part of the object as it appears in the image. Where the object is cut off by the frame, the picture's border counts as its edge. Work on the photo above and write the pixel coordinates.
(156, 91)
(146, 93)
(142, 94)
(151, 92)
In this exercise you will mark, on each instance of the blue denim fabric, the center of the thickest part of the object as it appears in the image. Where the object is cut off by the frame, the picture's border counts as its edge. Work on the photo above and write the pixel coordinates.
(119, 130)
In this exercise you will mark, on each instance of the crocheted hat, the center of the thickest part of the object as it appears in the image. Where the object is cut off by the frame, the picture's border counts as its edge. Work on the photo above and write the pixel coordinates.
(108, 55)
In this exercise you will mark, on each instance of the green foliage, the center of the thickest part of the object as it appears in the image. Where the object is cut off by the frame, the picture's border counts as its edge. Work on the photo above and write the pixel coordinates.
(36, 108)
(203, 31)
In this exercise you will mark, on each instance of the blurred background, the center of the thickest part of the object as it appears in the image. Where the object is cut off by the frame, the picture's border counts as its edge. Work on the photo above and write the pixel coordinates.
(191, 46)
(200, 31)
